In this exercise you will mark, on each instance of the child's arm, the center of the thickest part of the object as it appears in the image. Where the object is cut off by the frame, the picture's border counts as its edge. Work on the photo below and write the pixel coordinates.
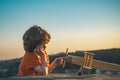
(42, 69)
(55, 63)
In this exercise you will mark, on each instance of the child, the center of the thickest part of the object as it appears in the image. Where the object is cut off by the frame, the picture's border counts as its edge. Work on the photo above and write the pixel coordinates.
(35, 60)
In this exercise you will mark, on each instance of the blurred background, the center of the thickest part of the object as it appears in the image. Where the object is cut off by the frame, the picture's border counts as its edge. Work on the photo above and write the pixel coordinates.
(73, 24)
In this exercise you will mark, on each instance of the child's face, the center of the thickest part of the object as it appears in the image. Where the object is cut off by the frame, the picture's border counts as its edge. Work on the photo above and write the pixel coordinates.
(40, 48)
(43, 46)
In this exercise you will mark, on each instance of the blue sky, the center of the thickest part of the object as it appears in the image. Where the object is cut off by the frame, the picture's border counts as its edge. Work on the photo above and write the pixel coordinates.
(74, 24)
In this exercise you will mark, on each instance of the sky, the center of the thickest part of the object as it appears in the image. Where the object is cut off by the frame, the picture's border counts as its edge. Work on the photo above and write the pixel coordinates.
(73, 24)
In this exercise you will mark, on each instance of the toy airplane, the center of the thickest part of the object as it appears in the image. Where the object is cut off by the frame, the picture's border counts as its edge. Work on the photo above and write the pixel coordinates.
(88, 62)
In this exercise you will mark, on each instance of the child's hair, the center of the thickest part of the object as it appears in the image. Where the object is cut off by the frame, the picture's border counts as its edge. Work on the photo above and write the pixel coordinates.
(35, 36)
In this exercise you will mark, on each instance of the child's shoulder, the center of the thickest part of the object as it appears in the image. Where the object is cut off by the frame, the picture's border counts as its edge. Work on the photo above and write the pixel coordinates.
(30, 55)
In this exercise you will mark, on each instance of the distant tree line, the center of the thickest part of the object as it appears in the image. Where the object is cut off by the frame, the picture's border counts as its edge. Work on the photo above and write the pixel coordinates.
(10, 67)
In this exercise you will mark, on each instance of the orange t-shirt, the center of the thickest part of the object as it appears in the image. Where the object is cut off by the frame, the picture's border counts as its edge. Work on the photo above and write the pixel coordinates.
(29, 61)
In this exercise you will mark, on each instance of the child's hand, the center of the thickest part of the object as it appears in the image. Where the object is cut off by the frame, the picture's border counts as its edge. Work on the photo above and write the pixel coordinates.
(59, 61)
(40, 50)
